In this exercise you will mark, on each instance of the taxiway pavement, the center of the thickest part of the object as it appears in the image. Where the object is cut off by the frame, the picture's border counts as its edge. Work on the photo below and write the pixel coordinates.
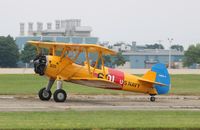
(99, 102)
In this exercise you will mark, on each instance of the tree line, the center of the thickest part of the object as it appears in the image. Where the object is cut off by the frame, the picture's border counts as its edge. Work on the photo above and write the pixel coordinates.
(10, 55)
(160, 46)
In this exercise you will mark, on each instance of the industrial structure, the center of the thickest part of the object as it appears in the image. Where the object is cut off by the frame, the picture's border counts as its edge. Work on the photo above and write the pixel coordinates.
(69, 31)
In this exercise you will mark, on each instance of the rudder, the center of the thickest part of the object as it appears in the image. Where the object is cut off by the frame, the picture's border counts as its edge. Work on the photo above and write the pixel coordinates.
(162, 76)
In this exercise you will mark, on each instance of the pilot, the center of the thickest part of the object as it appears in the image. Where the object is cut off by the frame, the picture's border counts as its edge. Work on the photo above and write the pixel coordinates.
(93, 63)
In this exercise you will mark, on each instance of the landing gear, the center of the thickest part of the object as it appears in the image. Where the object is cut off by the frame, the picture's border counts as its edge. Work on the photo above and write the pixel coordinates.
(44, 94)
(152, 98)
(58, 96)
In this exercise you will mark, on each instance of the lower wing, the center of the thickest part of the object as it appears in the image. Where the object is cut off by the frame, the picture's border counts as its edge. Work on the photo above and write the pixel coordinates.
(96, 82)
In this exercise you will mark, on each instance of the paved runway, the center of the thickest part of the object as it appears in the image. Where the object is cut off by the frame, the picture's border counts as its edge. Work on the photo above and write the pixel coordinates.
(99, 102)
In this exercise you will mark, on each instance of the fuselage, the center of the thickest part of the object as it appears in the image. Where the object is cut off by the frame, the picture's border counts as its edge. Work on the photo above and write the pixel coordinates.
(65, 69)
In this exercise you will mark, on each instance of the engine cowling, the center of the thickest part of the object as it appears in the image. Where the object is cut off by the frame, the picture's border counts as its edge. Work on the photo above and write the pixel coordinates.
(40, 63)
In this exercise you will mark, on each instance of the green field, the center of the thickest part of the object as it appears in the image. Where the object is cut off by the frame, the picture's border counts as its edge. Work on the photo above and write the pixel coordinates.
(100, 119)
(185, 84)
(30, 84)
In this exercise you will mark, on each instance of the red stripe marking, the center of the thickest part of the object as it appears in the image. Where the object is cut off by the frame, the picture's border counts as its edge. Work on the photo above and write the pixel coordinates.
(117, 75)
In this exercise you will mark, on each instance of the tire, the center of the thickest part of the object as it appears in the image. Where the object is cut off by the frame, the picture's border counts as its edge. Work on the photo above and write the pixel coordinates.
(152, 99)
(59, 95)
(44, 95)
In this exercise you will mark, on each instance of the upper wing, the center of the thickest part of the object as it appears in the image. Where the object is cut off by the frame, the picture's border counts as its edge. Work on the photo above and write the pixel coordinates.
(73, 47)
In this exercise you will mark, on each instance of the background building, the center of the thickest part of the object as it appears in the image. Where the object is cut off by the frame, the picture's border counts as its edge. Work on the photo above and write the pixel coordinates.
(69, 31)
(138, 56)
(148, 57)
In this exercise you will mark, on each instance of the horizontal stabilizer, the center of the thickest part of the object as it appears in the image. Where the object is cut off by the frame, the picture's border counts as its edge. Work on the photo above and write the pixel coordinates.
(151, 82)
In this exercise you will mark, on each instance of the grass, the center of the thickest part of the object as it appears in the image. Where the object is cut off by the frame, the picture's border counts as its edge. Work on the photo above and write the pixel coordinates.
(185, 84)
(30, 84)
(100, 119)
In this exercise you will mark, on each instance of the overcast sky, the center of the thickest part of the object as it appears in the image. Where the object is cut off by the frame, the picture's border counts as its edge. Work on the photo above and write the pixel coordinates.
(143, 21)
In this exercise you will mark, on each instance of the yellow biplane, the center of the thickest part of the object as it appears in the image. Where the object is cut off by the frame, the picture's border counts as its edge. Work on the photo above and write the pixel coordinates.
(62, 67)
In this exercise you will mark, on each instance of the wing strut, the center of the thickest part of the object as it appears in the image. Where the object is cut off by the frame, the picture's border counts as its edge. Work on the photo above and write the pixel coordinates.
(96, 64)
(54, 50)
(78, 53)
(102, 62)
(63, 52)
(38, 49)
(87, 59)
(100, 56)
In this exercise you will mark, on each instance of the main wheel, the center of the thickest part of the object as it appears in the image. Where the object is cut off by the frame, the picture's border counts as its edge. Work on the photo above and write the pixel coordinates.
(153, 99)
(44, 95)
(59, 95)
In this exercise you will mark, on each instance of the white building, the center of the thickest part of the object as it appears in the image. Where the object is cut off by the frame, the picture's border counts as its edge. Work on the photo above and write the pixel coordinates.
(68, 31)
(121, 47)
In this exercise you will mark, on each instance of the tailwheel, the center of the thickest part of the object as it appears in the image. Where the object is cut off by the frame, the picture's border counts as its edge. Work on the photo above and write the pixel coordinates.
(152, 99)
(44, 94)
(59, 95)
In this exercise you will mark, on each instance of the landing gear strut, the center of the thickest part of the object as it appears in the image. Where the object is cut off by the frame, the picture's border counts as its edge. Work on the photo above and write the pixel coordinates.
(152, 98)
(58, 96)
(45, 93)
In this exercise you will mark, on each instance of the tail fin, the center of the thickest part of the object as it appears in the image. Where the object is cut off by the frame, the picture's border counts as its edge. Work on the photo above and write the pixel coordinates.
(162, 76)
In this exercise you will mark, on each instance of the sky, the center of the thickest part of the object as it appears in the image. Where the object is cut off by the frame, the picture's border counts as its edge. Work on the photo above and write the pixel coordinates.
(143, 21)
